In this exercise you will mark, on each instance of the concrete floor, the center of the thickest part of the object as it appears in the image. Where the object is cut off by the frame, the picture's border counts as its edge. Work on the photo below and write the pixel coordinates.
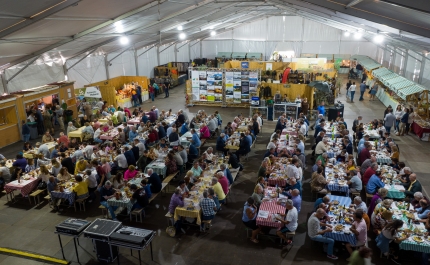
(29, 228)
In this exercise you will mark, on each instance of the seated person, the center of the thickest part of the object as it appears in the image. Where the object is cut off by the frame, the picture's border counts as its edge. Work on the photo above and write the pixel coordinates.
(249, 217)
(292, 184)
(317, 234)
(289, 221)
(417, 197)
(359, 229)
(81, 189)
(139, 197)
(375, 182)
(107, 192)
(422, 211)
(319, 182)
(414, 186)
(258, 195)
(354, 182)
(325, 199)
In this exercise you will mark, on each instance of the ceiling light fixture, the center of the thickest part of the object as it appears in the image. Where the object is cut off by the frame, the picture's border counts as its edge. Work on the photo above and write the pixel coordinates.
(182, 36)
(358, 35)
(180, 28)
(378, 38)
(123, 40)
(213, 33)
(346, 34)
(119, 27)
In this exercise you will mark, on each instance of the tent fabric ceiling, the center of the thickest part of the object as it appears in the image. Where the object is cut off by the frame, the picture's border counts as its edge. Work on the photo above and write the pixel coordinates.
(148, 22)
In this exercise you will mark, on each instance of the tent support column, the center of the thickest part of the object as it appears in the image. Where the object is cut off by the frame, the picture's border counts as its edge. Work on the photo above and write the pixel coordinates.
(107, 67)
(423, 65)
(405, 65)
(4, 82)
(136, 62)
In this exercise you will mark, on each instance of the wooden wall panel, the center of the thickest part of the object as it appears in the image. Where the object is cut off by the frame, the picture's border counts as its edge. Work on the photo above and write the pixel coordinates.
(10, 134)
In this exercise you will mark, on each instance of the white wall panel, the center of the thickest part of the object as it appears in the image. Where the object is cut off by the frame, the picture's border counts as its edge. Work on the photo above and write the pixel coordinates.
(211, 48)
(399, 61)
(321, 47)
(168, 55)
(426, 74)
(183, 55)
(256, 31)
(314, 31)
(122, 65)
(288, 28)
(222, 36)
(35, 75)
(195, 50)
(413, 67)
(89, 70)
(147, 62)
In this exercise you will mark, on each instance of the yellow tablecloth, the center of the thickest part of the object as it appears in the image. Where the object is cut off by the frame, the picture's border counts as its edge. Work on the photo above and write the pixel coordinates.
(183, 212)
(77, 134)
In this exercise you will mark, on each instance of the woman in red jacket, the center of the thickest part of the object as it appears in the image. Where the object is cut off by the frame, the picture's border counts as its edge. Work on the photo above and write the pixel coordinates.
(151, 92)
(204, 132)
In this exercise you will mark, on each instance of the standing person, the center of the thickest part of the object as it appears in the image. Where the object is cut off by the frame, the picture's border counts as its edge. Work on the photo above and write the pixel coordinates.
(47, 121)
(373, 91)
(151, 92)
(362, 90)
(139, 93)
(25, 130)
(166, 88)
(352, 91)
(321, 109)
(305, 106)
(208, 208)
(390, 120)
(403, 121)
(411, 118)
(59, 114)
(156, 89)
(399, 114)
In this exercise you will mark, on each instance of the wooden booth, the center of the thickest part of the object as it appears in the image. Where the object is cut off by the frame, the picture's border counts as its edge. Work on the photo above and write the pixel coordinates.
(9, 120)
(13, 107)
(117, 91)
(291, 90)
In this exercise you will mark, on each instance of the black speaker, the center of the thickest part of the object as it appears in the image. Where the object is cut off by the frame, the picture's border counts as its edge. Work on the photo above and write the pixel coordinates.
(336, 111)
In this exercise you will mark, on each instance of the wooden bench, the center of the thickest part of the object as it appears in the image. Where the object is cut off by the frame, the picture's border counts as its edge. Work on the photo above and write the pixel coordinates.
(12, 196)
(136, 213)
(81, 203)
(104, 211)
(170, 219)
(168, 179)
(163, 185)
(207, 225)
(35, 195)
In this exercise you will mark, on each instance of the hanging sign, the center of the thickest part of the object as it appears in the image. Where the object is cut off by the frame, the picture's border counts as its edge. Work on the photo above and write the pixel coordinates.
(92, 92)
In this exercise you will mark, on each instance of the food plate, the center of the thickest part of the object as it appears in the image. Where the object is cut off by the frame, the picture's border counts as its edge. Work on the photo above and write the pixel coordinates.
(338, 228)
(335, 202)
(418, 239)
(342, 182)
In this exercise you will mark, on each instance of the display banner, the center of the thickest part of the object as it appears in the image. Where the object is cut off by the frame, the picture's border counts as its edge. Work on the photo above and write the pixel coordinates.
(195, 85)
(245, 86)
(237, 87)
(203, 86)
(229, 87)
(244, 65)
(253, 82)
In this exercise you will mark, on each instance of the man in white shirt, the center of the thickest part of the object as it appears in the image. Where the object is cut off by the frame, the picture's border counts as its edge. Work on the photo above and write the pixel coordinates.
(183, 153)
(97, 134)
(290, 221)
(292, 170)
(260, 120)
(317, 234)
(352, 91)
(302, 128)
(209, 154)
(122, 161)
(321, 147)
(272, 144)
(120, 115)
(43, 149)
(88, 151)
(141, 128)
(92, 183)
(140, 146)
(212, 124)
(100, 104)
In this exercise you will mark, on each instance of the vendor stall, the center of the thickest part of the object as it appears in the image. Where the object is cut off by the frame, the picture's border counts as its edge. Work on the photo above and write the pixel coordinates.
(9, 120)
(117, 91)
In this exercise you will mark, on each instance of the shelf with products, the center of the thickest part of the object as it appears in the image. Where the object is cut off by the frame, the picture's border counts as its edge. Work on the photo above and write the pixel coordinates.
(263, 110)
(291, 109)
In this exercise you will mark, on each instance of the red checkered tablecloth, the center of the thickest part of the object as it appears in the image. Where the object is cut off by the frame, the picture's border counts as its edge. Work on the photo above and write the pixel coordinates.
(273, 208)
(109, 136)
(134, 121)
(277, 181)
(26, 186)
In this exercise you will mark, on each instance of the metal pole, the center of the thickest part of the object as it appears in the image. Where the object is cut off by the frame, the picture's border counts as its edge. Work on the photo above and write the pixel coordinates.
(107, 67)
(65, 71)
(189, 54)
(4, 82)
(393, 65)
(147, 50)
(176, 54)
(158, 55)
(136, 62)
(423, 65)
(201, 50)
(405, 65)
